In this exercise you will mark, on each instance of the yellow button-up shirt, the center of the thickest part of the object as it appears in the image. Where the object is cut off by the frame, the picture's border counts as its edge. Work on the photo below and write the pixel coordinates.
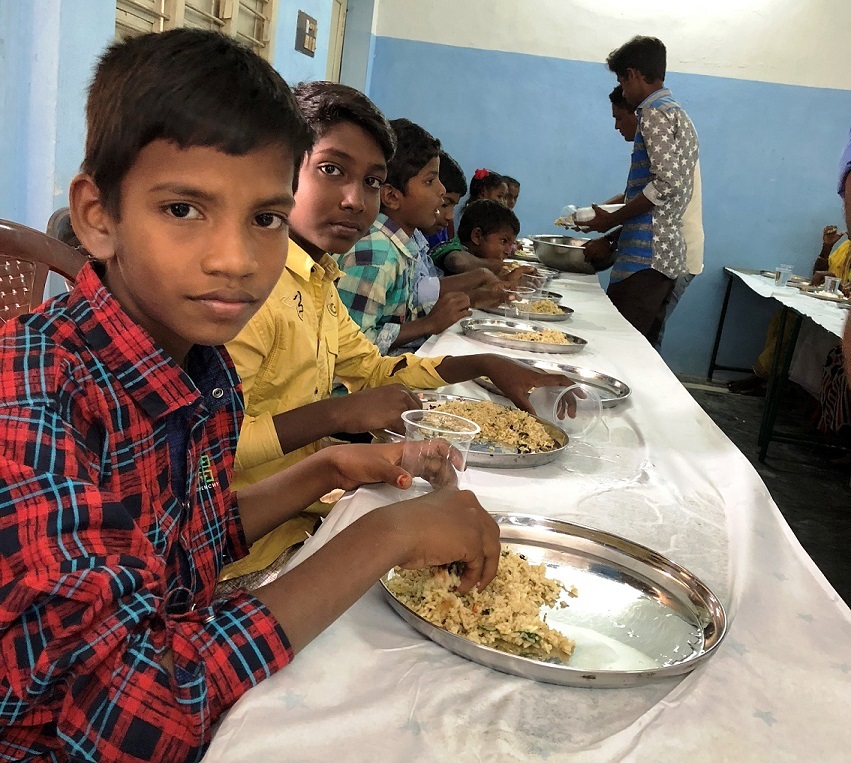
(290, 352)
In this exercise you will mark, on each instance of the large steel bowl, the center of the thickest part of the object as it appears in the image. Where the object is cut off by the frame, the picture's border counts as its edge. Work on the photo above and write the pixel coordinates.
(567, 253)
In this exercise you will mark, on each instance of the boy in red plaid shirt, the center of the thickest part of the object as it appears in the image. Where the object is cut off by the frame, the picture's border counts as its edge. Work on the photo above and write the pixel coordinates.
(119, 413)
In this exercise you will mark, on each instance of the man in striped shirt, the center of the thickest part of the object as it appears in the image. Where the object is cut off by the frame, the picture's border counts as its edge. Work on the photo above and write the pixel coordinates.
(651, 250)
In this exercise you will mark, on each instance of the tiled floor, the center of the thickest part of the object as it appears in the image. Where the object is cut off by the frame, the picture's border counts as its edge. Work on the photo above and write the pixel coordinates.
(812, 494)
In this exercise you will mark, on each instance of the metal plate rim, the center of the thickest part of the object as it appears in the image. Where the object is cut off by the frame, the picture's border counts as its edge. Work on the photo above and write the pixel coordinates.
(472, 328)
(545, 365)
(566, 312)
(568, 675)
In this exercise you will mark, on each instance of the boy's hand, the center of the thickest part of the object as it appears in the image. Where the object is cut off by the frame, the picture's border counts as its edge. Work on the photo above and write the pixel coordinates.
(354, 465)
(597, 249)
(377, 408)
(513, 277)
(492, 295)
(516, 380)
(831, 235)
(448, 310)
(443, 527)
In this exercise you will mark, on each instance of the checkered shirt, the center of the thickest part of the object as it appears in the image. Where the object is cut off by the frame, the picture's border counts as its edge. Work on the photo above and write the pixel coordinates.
(377, 285)
(104, 568)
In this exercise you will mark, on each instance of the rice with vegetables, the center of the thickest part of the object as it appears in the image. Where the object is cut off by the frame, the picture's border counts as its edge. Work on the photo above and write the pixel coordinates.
(508, 427)
(506, 615)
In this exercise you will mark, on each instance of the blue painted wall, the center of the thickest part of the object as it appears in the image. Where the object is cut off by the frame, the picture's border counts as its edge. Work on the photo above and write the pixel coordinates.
(294, 66)
(769, 159)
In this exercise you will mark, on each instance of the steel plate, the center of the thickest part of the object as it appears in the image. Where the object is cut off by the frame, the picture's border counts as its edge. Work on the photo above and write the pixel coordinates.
(827, 297)
(485, 330)
(612, 391)
(491, 455)
(637, 617)
(511, 311)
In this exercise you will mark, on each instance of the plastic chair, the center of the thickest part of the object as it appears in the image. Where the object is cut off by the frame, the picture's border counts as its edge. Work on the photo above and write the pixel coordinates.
(26, 257)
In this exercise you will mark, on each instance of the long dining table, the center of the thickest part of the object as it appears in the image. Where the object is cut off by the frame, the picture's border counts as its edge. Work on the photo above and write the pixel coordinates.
(657, 471)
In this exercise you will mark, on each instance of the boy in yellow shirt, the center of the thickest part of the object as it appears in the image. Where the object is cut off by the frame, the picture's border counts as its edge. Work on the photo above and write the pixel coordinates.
(303, 337)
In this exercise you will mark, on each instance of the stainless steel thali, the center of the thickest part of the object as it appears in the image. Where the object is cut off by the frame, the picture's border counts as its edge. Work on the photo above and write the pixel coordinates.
(612, 391)
(487, 329)
(637, 616)
(516, 310)
(486, 454)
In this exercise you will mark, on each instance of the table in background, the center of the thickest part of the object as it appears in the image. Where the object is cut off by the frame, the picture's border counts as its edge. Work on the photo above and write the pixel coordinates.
(659, 473)
(796, 306)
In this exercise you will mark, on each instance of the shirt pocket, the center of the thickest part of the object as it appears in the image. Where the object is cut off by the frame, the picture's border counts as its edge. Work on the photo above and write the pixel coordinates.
(329, 351)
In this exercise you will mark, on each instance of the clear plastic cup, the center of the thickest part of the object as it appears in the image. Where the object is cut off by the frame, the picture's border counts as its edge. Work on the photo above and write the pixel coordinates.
(782, 274)
(831, 284)
(576, 409)
(517, 299)
(436, 447)
(533, 281)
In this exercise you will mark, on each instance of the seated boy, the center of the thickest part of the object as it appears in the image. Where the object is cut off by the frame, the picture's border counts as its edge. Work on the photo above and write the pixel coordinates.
(289, 406)
(118, 423)
(455, 185)
(381, 282)
(486, 235)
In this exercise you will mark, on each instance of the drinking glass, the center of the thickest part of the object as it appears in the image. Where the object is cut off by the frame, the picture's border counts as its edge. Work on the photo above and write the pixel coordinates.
(782, 274)
(576, 409)
(436, 447)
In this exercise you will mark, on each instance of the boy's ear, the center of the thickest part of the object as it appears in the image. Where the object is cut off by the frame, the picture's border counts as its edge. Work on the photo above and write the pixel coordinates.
(476, 236)
(91, 222)
(391, 197)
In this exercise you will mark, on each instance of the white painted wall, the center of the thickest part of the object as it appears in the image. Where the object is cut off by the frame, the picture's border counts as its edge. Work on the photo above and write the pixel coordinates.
(796, 42)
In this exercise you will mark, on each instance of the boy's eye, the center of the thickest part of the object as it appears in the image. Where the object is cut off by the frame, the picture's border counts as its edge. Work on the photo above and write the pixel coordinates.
(270, 220)
(183, 211)
(330, 169)
(374, 182)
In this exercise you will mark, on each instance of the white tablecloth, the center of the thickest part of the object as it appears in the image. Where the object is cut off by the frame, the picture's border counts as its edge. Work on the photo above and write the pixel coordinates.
(826, 314)
(660, 473)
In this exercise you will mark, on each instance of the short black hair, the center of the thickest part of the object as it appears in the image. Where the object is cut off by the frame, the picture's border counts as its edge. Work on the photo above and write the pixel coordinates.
(645, 54)
(489, 215)
(482, 180)
(415, 148)
(510, 180)
(619, 101)
(190, 87)
(326, 104)
(451, 175)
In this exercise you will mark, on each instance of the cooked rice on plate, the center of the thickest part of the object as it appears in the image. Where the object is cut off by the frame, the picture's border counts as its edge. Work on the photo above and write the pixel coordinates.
(551, 336)
(541, 307)
(508, 427)
(506, 615)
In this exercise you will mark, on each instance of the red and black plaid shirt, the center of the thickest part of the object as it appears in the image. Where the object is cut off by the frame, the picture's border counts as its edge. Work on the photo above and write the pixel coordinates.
(109, 551)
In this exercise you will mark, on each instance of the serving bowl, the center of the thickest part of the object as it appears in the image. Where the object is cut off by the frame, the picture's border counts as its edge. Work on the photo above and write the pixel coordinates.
(567, 253)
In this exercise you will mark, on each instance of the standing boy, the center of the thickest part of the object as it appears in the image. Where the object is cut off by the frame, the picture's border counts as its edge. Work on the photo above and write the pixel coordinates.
(119, 412)
(302, 338)
(651, 250)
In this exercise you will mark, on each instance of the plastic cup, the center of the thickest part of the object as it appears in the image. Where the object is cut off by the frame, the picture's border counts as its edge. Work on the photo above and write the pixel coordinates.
(831, 284)
(535, 282)
(576, 409)
(436, 447)
(516, 299)
(782, 274)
